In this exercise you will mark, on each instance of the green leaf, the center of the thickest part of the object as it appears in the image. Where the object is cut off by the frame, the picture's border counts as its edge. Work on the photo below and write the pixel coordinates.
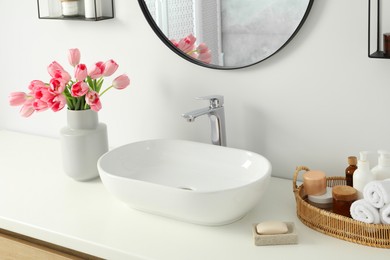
(99, 84)
(90, 82)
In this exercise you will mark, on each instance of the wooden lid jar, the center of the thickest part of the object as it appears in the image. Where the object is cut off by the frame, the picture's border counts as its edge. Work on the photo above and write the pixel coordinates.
(343, 197)
(314, 182)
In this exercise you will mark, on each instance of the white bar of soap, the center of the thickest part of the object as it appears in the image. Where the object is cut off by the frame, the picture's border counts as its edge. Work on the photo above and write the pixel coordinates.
(271, 228)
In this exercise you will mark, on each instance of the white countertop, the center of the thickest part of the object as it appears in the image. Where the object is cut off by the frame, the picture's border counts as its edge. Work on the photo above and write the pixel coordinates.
(37, 199)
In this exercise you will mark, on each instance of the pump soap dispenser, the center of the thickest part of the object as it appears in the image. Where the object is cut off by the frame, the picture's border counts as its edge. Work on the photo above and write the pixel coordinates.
(382, 170)
(362, 175)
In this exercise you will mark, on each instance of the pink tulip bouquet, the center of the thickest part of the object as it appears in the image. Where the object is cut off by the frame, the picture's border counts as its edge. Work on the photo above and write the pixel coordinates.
(188, 46)
(81, 93)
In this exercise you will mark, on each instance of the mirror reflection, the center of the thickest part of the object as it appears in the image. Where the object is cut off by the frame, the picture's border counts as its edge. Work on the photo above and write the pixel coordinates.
(226, 33)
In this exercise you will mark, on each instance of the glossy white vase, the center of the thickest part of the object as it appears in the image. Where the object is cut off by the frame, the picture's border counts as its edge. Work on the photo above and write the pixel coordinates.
(83, 141)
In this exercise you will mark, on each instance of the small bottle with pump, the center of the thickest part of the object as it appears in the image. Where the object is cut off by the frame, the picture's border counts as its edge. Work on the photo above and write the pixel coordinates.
(382, 170)
(349, 171)
(362, 175)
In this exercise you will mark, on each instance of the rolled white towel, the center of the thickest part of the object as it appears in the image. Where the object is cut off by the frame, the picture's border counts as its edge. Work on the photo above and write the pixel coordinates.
(377, 193)
(363, 211)
(385, 214)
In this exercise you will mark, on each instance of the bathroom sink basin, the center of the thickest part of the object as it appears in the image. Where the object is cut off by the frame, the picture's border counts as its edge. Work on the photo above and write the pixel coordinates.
(189, 181)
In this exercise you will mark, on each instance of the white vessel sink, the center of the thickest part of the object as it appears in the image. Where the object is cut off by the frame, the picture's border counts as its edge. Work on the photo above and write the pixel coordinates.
(193, 182)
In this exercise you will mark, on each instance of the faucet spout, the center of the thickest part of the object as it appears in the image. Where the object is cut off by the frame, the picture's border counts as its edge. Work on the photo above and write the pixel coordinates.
(216, 114)
(191, 116)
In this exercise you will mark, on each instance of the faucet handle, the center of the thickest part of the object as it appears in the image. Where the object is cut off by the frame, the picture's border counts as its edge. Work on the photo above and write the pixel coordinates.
(215, 100)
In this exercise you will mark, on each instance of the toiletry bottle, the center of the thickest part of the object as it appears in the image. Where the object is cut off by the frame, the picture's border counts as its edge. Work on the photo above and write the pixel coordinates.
(70, 7)
(362, 175)
(382, 170)
(349, 171)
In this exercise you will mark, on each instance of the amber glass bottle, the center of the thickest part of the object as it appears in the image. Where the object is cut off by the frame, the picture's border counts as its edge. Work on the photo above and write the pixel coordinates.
(352, 161)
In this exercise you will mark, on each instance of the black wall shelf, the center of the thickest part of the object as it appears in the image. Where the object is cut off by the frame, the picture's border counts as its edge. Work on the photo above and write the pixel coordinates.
(375, 30)
(78, 18)
(107, 11)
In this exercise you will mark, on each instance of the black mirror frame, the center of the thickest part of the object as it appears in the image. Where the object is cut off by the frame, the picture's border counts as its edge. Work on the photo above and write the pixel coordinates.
(167, 42)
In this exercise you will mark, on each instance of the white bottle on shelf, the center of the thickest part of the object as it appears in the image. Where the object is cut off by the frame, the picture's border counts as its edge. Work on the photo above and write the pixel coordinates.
(382, 170)
(90, 7)
(362, 175)
(55, 8)
(70, 7)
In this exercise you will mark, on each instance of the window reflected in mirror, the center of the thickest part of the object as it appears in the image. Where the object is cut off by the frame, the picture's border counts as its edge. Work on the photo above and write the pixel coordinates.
(226, 33)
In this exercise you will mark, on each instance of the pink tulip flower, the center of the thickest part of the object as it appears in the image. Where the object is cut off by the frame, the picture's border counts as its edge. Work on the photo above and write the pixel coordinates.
(202, 48)
(27, 109)
(57, 86)
(36, 84)
(39, 105)
(204, 53)
(43, 93)
(97, 70)
(110, 67)
(58, 103)
(17, 98)
(57, 71)
(189, 50)
(121, 82)
(74, 57)
(187, 44)
(47, 96)
(93, 100)
(80, 72)
(53, 100)
(175, 43)
(205, 57)
(79, 89)
(53, 68)
(39, 93)
(63, 76)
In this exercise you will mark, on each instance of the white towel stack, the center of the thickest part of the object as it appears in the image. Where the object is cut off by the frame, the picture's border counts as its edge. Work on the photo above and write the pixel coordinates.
(363, 211)
(377, 193)
(374, 208)
(385, 214)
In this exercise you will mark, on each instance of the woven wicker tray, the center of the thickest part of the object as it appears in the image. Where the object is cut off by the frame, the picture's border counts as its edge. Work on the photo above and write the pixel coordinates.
(329, 223)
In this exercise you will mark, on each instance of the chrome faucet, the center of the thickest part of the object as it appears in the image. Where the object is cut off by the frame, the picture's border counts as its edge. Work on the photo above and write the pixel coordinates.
(216, 113)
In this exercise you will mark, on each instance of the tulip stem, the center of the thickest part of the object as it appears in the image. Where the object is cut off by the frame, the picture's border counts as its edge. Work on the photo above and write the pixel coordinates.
(106, 90)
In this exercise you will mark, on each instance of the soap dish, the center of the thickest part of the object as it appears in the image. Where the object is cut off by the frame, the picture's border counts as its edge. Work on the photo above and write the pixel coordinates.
(288, 238)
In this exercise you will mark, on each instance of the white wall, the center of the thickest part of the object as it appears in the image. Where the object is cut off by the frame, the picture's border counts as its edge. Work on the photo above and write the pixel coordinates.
(316, 102)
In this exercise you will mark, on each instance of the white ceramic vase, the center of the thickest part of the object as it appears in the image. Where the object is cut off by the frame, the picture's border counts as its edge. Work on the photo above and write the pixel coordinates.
(83, 141)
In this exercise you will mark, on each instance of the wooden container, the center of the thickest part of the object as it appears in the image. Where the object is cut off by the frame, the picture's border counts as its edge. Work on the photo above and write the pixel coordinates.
(329, 223)
(343, 197)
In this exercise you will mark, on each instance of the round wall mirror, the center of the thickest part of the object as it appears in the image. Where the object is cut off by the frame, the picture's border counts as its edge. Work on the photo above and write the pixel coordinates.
(226, 34)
